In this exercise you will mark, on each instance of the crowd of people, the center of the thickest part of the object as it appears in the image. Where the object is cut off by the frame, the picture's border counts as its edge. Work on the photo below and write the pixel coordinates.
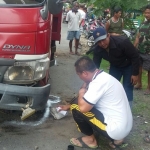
(104, 104)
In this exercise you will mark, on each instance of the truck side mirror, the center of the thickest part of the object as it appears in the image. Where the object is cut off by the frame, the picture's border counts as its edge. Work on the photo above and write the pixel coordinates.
(55, 6)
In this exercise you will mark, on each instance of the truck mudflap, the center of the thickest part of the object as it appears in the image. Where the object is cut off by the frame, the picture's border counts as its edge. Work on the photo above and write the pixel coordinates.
(36, 97)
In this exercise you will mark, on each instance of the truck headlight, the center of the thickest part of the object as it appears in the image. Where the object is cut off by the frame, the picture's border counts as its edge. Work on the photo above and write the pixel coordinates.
(23, 72)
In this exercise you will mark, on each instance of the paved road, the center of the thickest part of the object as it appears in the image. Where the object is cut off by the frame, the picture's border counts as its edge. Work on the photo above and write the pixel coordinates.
(41, 131)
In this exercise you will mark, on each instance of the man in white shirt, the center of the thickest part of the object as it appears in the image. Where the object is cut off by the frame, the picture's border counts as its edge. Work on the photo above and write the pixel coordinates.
(82, 21)
(83, 15)
(101, 106)
(73, 18)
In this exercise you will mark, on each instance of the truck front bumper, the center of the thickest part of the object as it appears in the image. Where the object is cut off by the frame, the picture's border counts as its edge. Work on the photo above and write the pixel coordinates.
(10, 95)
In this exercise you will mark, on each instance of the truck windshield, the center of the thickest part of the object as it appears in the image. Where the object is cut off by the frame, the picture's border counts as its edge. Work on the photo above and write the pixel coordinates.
(23, 2)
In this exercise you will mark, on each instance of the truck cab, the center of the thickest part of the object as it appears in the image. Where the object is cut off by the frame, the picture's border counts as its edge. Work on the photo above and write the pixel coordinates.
(27, 47)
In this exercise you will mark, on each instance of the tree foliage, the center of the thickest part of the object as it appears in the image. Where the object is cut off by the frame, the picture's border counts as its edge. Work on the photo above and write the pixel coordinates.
(124, 4)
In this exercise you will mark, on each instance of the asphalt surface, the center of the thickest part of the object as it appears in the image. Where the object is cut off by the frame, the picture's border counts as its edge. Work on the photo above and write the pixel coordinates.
(41, 131)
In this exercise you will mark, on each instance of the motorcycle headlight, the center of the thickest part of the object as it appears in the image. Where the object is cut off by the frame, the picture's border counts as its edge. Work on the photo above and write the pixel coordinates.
(27, 72)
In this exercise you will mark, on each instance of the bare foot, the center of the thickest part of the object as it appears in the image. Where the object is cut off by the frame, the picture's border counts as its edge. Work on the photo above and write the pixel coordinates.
(71, 53)
(138, 87)
(117, 143)
(76, 53)
(147, 92)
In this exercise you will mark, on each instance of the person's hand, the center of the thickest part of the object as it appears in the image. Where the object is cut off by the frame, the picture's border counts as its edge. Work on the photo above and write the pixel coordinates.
(64, 107)
(134, 79)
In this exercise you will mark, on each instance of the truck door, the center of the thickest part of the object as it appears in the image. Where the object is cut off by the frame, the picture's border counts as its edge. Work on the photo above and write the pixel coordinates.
(56, 27)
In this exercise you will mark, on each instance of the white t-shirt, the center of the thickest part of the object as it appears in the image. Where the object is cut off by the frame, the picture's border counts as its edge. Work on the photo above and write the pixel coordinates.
(83, 16)
(108, 96)
(73, 20)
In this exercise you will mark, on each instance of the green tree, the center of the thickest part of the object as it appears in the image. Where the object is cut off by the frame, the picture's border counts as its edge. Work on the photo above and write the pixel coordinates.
(124, 4)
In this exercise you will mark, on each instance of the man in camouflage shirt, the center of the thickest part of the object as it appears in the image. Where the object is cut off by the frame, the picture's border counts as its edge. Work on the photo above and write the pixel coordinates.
(142, 42)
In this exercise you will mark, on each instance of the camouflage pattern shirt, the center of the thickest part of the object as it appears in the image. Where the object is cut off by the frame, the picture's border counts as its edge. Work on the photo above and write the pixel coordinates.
(144, 40)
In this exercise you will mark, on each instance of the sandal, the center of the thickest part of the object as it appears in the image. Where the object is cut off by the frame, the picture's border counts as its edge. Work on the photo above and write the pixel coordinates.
(83, 145)
(147, 139)
(120, 146)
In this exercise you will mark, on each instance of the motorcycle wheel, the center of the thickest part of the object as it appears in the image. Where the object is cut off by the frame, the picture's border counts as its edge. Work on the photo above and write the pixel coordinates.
(90, 41)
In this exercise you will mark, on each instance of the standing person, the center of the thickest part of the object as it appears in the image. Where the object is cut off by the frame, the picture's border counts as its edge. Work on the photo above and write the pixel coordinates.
(115, 25)
(82, 21)
(122, 56)
(142, 42)
(102, 107)
(73, 18)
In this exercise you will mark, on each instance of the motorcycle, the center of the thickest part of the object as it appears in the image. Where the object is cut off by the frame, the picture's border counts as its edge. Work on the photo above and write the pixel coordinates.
(93, 26)
(129, 33)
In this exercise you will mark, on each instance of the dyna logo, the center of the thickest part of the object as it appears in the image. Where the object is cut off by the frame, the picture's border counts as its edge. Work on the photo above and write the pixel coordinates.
(10, 47)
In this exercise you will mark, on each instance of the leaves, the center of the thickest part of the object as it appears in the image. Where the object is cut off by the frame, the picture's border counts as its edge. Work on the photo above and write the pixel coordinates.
(125, 5)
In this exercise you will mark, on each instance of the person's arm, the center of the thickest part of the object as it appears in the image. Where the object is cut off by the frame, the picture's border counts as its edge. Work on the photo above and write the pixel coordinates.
(136, 42)
(97, 57)
(88, 98)
(67, 17)
(83, 105)
(80, 19)
(131, 53)
(83, 16)
(80, 22)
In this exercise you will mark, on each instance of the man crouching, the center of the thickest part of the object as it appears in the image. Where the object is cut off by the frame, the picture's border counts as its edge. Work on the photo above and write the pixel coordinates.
(101, 106)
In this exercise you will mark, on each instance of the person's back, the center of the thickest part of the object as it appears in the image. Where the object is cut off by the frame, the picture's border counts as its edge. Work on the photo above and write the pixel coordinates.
(110, 99)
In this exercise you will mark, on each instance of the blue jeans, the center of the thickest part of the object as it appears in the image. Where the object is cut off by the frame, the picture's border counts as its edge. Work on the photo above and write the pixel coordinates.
(126, 73)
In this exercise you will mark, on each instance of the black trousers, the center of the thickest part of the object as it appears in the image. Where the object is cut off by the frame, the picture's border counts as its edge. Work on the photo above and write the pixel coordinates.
(90, 121)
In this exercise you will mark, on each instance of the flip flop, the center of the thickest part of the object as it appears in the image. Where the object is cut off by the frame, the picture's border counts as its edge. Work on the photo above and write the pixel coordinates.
(120, 146)
(147, 139)
(83, 144)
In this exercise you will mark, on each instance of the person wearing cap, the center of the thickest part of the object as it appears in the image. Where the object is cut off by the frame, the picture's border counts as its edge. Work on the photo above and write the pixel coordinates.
(123, 58)
(101, 106)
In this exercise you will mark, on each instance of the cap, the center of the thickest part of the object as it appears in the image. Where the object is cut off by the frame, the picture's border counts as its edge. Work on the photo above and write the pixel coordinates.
(99, 34)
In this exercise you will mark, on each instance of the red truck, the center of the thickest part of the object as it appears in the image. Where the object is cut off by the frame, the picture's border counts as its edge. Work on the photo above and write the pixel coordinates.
(28, 31)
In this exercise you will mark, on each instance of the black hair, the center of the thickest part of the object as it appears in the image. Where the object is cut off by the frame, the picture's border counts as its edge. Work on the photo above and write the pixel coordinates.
(117, 9)
(85, 64)
(75, 3)
(82, 6)
(147, 7)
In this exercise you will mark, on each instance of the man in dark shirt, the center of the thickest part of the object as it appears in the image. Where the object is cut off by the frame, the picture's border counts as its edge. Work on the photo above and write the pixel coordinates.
(123, 58)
